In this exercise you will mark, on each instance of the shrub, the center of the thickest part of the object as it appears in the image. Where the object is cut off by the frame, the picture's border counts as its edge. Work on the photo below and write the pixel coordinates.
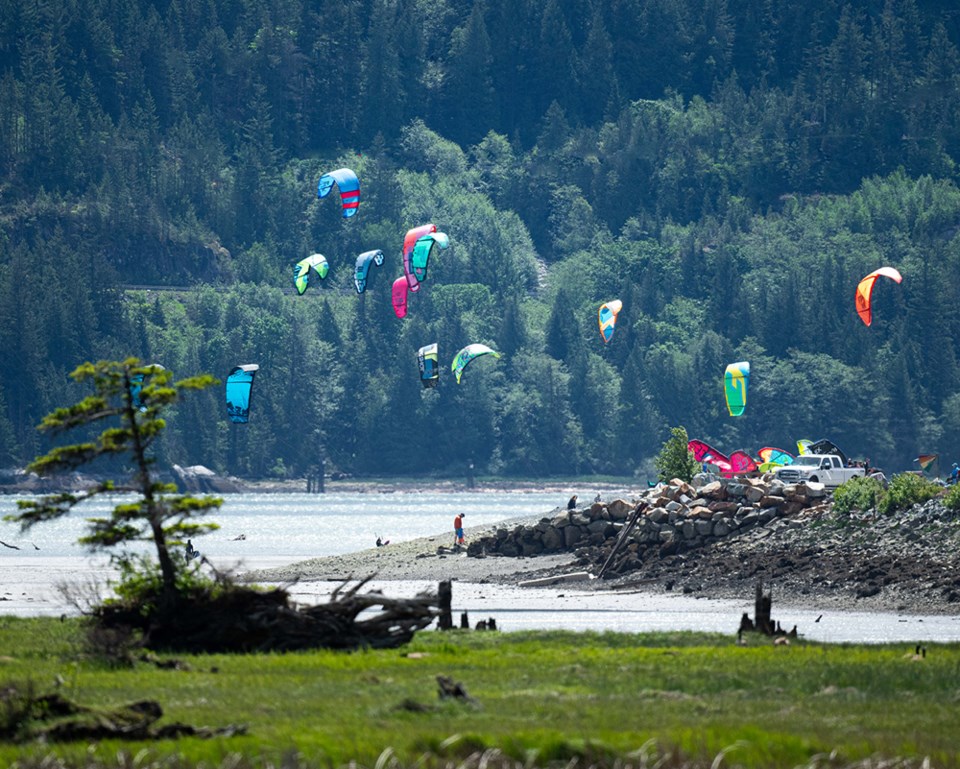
(952, 498)
(675, 460)
(857, 494)
(907, 490)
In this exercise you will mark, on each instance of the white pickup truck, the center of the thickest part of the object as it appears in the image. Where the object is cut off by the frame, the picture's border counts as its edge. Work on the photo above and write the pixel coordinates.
(828, 469)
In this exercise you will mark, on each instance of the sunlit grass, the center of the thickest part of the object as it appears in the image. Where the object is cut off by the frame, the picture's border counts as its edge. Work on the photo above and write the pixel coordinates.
(603, 699)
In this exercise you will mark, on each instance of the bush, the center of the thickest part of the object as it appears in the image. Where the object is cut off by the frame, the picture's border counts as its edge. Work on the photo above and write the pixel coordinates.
(952, 498)
(675, 460)
(857, 494)
(907, 490)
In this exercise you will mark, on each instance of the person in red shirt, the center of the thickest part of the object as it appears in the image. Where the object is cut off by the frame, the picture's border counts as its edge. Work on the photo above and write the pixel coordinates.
(458, 529)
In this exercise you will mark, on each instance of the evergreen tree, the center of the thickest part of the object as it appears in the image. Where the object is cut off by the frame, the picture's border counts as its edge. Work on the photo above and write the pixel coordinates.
(469, 87)
(158, 516)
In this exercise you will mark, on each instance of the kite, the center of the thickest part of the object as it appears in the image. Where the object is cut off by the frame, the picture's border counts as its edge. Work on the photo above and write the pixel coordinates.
(926, 461)
(361, 275)
(706, 454)
(422, 250)
(136, 384)
(803, 446)
(399, 297)
(349, 186)
(771, 458)
(865, 289)
(607, 318)
(824, 446)
(429, 365)
(239, 387)
(742, 462)
(466, 355)
(409, 242)
(775, 456)
(301, 271)
(736, 379)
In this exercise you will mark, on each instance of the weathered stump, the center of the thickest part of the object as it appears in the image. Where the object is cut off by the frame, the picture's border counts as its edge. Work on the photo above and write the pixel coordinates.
(445, 599)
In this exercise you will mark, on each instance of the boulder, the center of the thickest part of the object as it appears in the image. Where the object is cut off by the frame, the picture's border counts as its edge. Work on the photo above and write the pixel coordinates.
(620, 509)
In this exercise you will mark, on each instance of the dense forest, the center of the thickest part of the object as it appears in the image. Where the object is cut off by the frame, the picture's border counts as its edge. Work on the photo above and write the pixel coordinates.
(728, 169)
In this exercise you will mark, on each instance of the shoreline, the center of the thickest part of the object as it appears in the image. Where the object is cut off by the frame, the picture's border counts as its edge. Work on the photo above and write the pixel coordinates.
(874, 569)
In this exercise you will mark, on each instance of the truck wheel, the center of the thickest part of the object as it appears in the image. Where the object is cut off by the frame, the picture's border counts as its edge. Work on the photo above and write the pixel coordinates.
(814, 479)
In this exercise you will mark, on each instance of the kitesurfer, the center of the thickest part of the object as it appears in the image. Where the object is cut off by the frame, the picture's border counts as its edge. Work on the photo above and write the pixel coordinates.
(458, 529)
(192, 552)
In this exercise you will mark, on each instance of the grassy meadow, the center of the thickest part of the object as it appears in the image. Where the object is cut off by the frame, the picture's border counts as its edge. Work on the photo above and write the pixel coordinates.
(537, 699)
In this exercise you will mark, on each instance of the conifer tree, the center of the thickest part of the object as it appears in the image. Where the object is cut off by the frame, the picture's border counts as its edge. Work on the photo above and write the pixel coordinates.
(136, 396)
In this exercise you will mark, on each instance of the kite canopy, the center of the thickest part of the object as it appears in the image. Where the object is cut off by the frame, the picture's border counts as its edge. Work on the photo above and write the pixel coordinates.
(239, 387)
(773, 456)
(429, 365)
(346, 180)
(398, 295)
(409, 242)
(742, 462)
(301, 271)
(467, 354)
(361, 274)
(136, 384)
(704, 452)
(735, 382)
(422, 251)
(824, 446)
(865, 290)
(926, 461)
(607, 318)
(803, 446)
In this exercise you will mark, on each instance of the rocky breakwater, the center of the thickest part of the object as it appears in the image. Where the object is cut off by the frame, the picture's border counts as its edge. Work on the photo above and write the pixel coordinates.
(617, 537)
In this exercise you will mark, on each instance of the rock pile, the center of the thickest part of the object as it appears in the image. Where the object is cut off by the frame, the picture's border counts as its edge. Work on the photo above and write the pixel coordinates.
(669, 519)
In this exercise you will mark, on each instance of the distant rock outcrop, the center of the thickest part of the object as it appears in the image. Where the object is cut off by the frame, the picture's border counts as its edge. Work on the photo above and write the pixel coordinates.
(198, 479)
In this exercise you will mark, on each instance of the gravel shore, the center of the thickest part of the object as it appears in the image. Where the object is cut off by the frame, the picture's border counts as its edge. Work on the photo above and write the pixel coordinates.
(428, 558)
(908, 562)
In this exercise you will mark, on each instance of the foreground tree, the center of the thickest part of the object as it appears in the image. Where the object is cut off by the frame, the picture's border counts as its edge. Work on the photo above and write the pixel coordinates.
(178, 610)
(131, 398)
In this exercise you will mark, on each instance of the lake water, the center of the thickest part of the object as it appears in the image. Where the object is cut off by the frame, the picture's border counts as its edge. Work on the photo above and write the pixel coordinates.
(265, 530)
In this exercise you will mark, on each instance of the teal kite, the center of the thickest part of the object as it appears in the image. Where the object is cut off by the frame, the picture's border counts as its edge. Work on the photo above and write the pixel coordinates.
(423, 249)
(736, 380)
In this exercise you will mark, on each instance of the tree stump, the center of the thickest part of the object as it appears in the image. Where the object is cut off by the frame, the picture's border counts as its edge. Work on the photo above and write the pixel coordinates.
(445, 599)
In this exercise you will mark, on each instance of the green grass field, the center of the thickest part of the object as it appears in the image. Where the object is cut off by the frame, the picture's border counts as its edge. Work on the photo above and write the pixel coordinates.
(541, 699)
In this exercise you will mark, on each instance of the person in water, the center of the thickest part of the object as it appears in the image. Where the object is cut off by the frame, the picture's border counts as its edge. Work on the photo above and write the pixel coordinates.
(192, 552)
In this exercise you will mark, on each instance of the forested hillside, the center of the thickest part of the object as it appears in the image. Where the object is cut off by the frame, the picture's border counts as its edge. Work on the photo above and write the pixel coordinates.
(729, 170)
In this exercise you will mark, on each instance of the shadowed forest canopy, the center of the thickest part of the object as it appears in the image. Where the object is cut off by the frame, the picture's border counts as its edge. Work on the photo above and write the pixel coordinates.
(729, 171)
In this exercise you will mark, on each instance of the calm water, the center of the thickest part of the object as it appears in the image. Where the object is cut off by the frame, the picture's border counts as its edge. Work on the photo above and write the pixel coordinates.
(262, 530)
(283, 528)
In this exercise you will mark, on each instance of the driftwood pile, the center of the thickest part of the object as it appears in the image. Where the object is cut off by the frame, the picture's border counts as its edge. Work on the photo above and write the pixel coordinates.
(247, 620)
